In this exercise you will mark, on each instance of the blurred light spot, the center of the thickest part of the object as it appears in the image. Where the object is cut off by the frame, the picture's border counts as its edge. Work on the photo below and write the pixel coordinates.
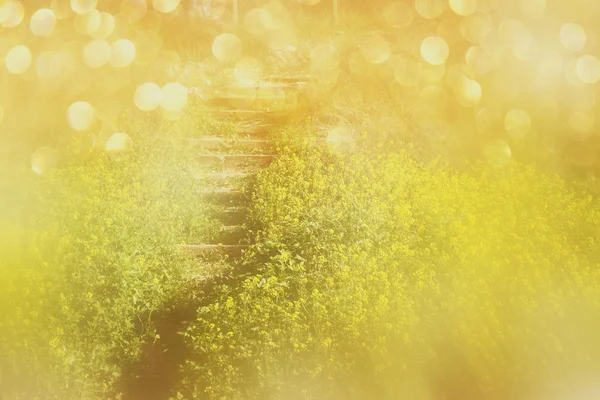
(588, 69)
(48, 65)
(118, 143)
(398, 14)
(133, 10)
(582, 123)
(432, 73)
(550, 64)
(174, 97)
(468, 92)
(80, 115)
(324, 57)
(572, 36)
(341, 140)
(407, 71)
(42, 22)
(165, 6)
(18, 60)
(106, 27)
(248, 71)
(497, 153)
(83, 6)
(96, 53)
(12, 13)
(257, 21)
(431, 9)
(61, 8)
(517, 123)
(463, 7)
(375, 49)
(44, 160)
(475, 27)
(571, 72)
(122, 53)
(227, 47)
(87, 23)
(533, 8)
(479, 61)
(435, 50)
(148, 96)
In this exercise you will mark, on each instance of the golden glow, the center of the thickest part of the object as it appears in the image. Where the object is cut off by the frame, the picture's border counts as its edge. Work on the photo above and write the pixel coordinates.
(340, 139)
(48, 65)
(257, 21)
(463, 7)
(118, 143)
(468, 92)
(44, 160)
(227, 47)
(97, 53)
(105, 28)
(87, 23)
(431, 9)
(42, 22)
(375, 49)
(248, 71)
(533, 8)
(407, 71)
(324, 57)
(398, 14)
(476, 27)
(122, 53)
(497, 153)
(83, 6)
(133, 10)
(61, 8)
(573, 36)
(165, 6)
(435, 50)
(588, 69)
(18, 60)
(517, 123)
(174, 97)
(12, 13)
(148, 96)
(80, 115)
(582, 123)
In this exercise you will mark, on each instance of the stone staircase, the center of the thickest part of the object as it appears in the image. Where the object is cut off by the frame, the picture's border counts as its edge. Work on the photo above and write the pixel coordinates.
(229, 162)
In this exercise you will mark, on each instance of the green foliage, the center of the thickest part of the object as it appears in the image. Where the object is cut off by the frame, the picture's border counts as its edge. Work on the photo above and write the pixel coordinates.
(377, 277)
(87, 261)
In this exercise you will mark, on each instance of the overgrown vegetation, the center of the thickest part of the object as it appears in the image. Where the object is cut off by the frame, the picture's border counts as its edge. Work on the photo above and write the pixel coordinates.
(89, 260)
(381, 277)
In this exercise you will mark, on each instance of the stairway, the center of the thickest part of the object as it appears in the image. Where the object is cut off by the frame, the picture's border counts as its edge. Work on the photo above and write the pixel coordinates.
(228, 163)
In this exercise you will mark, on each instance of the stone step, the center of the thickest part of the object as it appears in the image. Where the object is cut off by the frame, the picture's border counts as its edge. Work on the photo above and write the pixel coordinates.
(224, 196)
(230, 235)
(234, 162)
(229, 175)
(217, 143)
(253, 130)
(207, 250)
(232, 215)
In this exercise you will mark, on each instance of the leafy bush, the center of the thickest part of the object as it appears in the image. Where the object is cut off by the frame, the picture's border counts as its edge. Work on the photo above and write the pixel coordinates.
(91, 256)
(381, 277)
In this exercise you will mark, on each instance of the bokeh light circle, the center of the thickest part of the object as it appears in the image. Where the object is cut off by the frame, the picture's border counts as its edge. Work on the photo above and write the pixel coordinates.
(12, 13)
(43, 160)
(517, 123)
(324, 57)
(87, 23)
(430, 9)
(398, 14)
(118, 143)
(80, 115)
(463, 7)
(105, 28)
(375, 49)
(18, 59)
(42, 22)
(122, 53)
(227, 47)
(148, 96)
(248, 71)
(497, 153)
(97, 53)
(165, 6)
(435, 50)
(572, 36)
(588, 69)
(174, 96)
(133, 10)
(83, 6)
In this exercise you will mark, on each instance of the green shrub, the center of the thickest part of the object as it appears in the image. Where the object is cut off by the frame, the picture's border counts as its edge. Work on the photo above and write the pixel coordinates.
(86, 263)
(381, 277)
